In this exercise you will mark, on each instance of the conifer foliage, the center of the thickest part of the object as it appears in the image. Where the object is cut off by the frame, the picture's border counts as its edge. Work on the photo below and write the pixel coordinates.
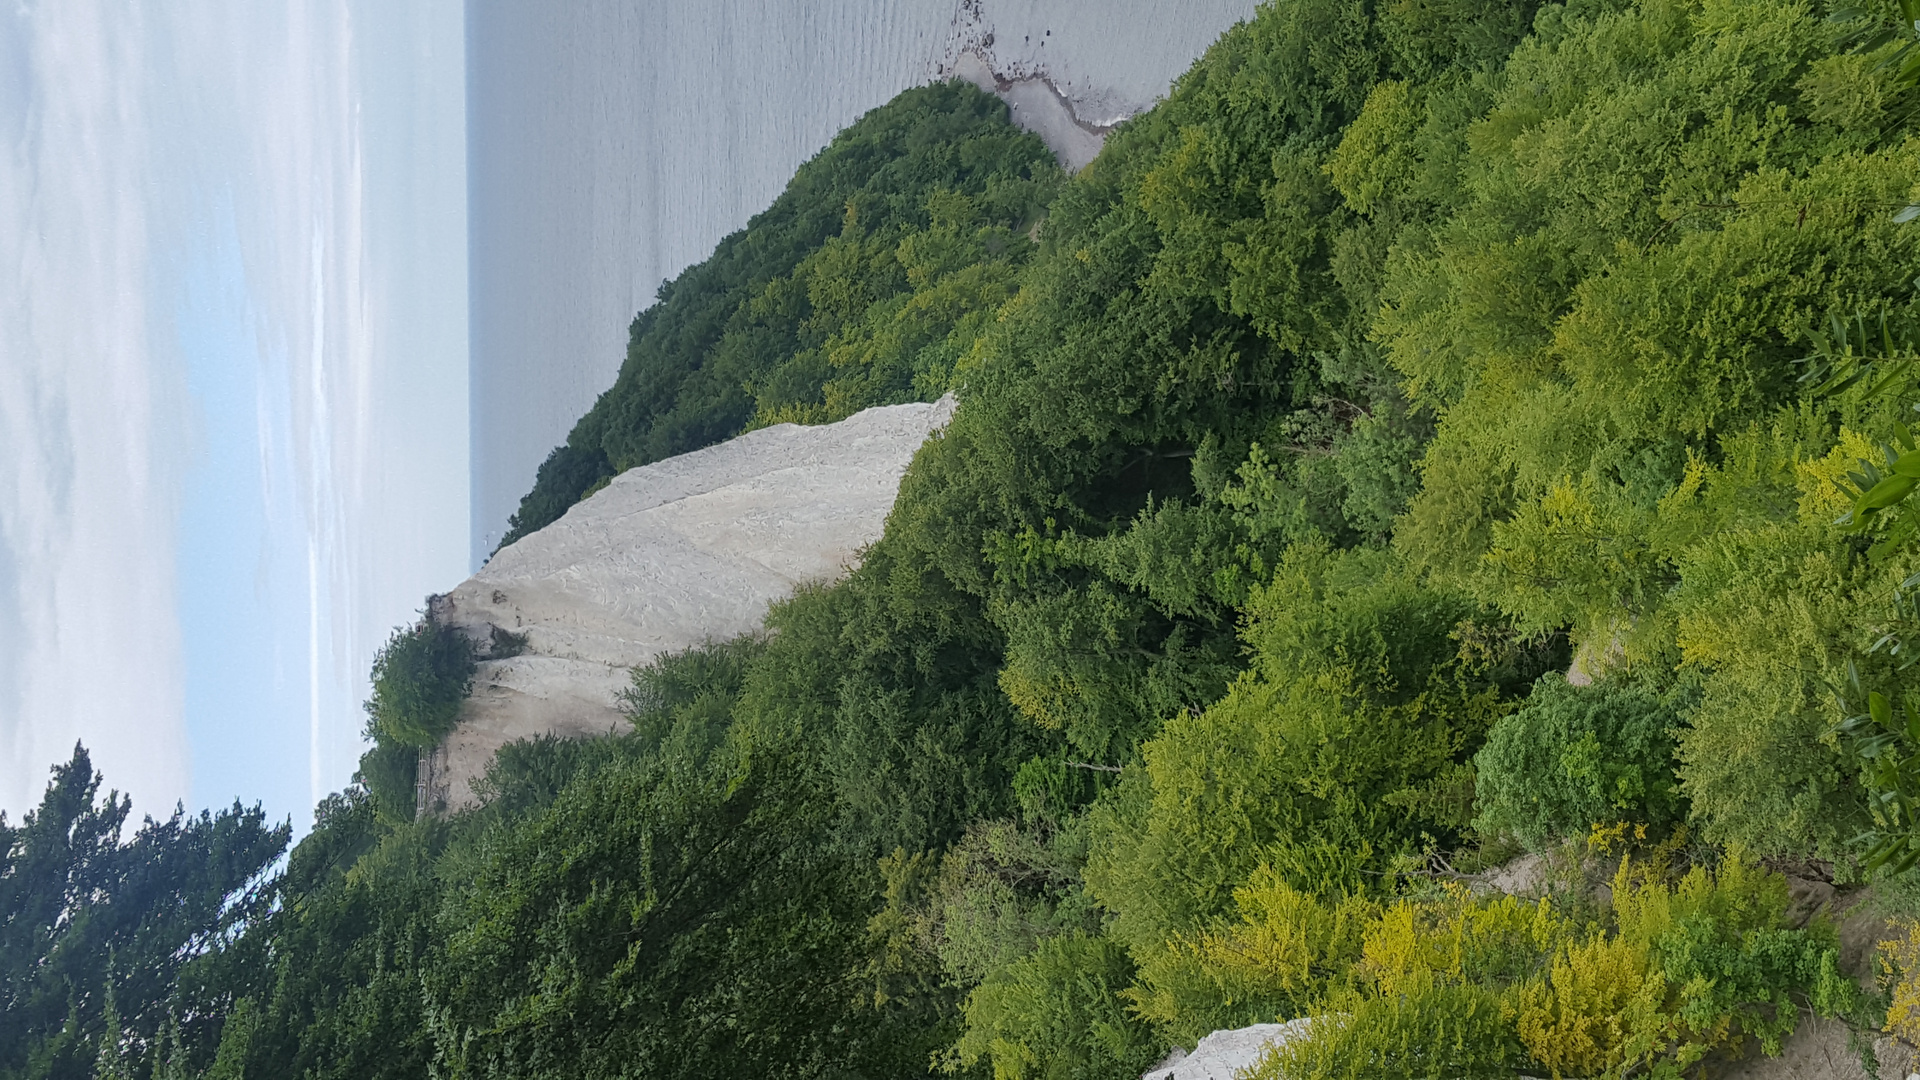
(111, 945)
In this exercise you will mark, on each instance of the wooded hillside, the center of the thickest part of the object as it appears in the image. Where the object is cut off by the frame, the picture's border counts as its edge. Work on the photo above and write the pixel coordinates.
(1438, 432)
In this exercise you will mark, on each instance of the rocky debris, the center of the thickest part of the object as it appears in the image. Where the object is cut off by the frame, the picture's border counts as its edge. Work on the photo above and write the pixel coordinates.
(1231, 1054)
(1525, 876)
(1820, 1050)
(1037, 105)
(667, 555)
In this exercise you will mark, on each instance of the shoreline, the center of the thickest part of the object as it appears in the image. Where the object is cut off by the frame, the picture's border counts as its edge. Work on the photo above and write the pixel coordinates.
(1038, 105)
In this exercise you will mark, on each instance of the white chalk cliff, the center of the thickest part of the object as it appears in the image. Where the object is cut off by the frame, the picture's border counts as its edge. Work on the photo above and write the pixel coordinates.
(1229, 1055)
(667, 555)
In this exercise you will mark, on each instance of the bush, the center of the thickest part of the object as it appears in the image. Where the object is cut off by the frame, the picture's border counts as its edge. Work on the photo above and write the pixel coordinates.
(389, 771)
(1286, 951)
(420, 677)
(1058, 1013)
(686, 698)
(1577, 755)
(1300, 773)
(1440, 1031)
(1687, 967)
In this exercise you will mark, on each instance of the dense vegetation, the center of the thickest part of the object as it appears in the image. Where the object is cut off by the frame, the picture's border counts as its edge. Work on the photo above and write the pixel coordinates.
(1419, 440)
(861, 285)
(104, 938)
(420, 678)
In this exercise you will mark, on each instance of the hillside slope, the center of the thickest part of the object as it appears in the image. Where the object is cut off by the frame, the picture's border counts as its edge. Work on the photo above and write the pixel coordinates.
(666, 556)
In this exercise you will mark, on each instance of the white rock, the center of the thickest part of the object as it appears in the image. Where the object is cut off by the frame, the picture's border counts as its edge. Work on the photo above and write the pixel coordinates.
(1231, 1054)
(670, 554)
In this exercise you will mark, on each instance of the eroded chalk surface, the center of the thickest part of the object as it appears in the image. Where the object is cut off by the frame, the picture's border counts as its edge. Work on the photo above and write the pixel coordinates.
(668, 555)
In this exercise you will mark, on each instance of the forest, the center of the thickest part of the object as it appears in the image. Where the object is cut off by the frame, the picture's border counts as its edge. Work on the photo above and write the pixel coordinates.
(1441, 437)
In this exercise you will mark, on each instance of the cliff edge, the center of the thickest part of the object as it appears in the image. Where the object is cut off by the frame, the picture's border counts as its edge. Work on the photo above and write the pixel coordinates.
(665, 556)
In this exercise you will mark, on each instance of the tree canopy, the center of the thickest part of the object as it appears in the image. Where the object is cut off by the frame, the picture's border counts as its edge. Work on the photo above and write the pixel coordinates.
(1435, 431)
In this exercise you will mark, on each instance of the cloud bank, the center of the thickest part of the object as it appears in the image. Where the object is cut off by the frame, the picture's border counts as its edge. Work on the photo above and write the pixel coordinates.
(231, 327)
(89, 458)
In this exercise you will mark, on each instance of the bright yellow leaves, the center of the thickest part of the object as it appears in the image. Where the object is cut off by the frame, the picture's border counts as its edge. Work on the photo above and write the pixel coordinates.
(1900, 966)
(1457, 938)
(1825, 495)
(1680, 967)
(1277, 958)
(1593, 1007)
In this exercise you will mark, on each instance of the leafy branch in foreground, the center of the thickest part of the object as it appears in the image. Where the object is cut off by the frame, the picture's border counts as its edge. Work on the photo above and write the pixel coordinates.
(1886, 743)
(1875, 356)
(1902, 64)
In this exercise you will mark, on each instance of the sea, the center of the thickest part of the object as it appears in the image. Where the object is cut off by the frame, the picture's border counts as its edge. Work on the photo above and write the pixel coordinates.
(612, 144)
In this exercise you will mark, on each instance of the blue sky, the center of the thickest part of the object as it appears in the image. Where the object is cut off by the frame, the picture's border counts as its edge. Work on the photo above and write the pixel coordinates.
(240, 558)
(233, 354)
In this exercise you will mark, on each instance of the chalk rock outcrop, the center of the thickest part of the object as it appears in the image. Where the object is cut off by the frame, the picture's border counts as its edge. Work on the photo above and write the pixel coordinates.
(665, 556)
(1231, 1054)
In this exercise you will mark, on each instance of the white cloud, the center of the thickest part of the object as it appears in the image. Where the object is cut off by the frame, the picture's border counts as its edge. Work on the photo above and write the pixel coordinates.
(135, 127)
(89, 457)
(338, 268)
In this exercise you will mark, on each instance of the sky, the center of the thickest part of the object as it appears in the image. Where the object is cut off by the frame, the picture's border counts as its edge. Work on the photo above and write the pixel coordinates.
(233, 383)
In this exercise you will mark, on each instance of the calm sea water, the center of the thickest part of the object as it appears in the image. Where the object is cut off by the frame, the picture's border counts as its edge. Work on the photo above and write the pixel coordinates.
(612, 144)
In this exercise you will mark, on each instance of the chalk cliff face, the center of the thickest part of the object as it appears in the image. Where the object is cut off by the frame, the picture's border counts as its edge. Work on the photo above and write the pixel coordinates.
(666, 556)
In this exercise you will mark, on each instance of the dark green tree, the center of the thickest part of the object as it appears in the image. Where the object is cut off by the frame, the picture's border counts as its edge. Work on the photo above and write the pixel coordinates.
(1577, 756)
(420, 677)
(101, 930)
(928, 196)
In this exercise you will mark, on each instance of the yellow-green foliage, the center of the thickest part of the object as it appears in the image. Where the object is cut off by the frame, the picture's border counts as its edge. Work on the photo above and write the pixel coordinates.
(1457, 939)
(1737, 577)
(1377, 152)
(1673, 151)
(1056, 1014)
(1286, 950)
(1594, 1008)
(1236, 862)
(1443, 1030)
(1769, 609)
(1458, 985)
(1594, 269)
(1661, 197)
(1306, 776)
(1899, 962)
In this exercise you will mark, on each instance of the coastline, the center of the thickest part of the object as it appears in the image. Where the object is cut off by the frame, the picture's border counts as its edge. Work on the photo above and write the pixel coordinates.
(1039, 106)
(610, 146)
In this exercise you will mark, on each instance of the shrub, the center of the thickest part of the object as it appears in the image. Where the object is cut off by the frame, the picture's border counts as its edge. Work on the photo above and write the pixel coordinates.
(420, 677)
(1461, 986)
(388, 771)
(1305, 777)
(685, 699)
(1576, 755)
(1057, 1013)
(1899, 970)
(1440, 1030)
(1284, 953)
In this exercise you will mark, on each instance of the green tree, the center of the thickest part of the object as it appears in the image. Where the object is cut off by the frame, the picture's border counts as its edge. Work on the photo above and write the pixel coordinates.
(1573, 757)
(329, 984)
(665, 918)
(99, 932)
(420, 677)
